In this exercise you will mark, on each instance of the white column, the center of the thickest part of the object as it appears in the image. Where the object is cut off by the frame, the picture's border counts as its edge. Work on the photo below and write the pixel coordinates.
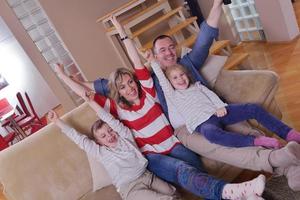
(278, 20)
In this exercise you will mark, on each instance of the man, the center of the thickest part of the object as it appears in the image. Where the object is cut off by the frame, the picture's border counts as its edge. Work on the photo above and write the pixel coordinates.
(284, 161)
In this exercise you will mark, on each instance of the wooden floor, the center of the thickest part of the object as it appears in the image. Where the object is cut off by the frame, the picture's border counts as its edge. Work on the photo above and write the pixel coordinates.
(284, 59)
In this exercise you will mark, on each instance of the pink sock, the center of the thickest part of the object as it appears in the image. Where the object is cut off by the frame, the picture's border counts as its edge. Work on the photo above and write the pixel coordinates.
(293, 135)
(267, 142)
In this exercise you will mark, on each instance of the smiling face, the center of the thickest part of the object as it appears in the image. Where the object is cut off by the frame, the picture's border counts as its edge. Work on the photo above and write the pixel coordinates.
(106, 136)
(165, 52)
(178, 78)
(128, 89)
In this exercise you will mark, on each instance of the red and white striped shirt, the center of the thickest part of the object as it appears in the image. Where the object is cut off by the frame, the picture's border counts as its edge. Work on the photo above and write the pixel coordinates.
(150, 127)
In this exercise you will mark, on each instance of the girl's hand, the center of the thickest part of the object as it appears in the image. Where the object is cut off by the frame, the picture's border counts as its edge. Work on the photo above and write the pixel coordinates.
(221, 112)
(148, 55)
(52, 116)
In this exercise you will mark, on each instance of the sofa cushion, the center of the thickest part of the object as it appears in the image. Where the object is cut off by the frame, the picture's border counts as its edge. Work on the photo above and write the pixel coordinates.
(212, 68)
(82, 119)
(99, 174)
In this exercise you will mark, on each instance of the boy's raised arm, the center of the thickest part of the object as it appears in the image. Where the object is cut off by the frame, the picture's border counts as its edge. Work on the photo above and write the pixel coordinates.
(76, 87)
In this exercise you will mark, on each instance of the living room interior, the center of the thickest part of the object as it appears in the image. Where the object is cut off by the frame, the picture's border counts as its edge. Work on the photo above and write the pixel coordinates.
(95, 53)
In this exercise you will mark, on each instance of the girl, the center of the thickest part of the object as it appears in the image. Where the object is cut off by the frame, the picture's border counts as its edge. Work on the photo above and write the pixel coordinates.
(114, 147)
(135, 103)
(205, 113)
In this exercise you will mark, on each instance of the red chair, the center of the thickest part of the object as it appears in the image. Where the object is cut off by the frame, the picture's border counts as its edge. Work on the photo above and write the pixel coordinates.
(30, 119)
(6, 140)
(5, 107)
(17, 118)
(3, 143)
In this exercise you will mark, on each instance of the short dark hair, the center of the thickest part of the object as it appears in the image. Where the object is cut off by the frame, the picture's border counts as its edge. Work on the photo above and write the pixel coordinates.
(160, 37)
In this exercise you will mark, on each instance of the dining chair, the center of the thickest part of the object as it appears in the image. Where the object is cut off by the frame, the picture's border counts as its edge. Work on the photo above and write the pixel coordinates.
(5, 107)
(17, 117)
(31, 117)
(3, 143)
(32, 108)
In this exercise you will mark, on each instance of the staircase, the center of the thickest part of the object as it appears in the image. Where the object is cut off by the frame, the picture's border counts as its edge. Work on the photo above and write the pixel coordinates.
(144, 20)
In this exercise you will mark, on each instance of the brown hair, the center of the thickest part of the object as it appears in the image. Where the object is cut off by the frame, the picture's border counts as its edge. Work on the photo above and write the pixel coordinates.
(179, 67)
(114, 82)
(97, 125)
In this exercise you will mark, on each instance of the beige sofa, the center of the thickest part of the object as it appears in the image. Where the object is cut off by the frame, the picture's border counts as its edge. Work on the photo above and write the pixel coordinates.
(48, 166)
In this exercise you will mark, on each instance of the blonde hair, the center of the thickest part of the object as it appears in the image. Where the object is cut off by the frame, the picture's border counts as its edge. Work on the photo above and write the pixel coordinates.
(114, 81)
(178, 67)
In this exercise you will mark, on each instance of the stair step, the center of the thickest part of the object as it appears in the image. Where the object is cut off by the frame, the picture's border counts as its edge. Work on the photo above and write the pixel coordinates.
(218, 46)
(140, 14)
(188, 42)
(235, 59)
(157, 21)
(114, 11)
(172, 31)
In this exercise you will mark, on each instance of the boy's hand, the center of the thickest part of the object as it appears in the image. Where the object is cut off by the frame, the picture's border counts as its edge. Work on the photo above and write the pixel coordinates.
(52, 116)
(221, 112)
(59, 68)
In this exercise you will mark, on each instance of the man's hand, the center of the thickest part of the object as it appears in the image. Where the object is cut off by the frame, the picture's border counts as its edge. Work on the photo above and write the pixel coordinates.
(221, 112)
(52, 116)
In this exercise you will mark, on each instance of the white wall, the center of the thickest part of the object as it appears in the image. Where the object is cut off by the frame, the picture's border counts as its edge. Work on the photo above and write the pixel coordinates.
(21, 74)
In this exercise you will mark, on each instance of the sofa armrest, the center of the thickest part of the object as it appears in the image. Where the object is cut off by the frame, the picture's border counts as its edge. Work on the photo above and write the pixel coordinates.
(247, 86)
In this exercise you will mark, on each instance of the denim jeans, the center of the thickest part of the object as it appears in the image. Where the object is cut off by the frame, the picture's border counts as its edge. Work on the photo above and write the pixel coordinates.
(184, 168)
(212, 129)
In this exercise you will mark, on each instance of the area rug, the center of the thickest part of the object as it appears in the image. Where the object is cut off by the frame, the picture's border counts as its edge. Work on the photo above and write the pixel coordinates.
(278, 189)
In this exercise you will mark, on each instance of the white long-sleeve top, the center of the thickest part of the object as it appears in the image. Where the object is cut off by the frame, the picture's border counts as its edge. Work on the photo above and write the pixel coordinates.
(196, 104)
(124, 163)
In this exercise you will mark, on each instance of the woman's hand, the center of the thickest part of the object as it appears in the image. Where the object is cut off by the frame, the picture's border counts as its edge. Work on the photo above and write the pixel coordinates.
(89, 96)
(52, 116)
(221, 112)
(118, 26)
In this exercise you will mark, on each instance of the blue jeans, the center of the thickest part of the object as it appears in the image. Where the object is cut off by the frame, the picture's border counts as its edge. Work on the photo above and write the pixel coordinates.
(184, 168)
(212, 129)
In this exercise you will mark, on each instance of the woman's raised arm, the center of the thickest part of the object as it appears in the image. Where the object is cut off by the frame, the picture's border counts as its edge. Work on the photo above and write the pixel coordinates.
(130, 47)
